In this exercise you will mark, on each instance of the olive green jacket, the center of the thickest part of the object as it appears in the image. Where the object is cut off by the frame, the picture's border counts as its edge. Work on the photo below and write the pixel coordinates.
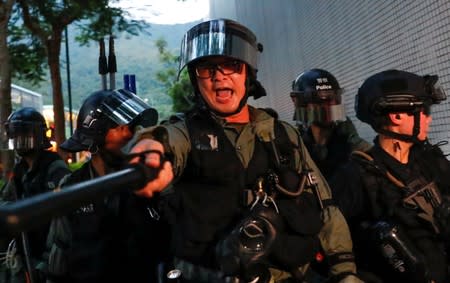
(334, 236)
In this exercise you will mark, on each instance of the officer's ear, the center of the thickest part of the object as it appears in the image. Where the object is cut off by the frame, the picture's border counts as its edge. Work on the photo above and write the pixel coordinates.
(396, 118)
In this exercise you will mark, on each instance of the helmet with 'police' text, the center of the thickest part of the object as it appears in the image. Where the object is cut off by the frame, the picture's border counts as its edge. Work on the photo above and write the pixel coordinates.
(317, 98)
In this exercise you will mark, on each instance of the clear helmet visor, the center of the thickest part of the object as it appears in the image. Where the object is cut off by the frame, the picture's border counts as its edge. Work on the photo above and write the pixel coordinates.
(25, 135)
(23, 143)
(319, 113)
(123, 107)
(322, 106)
(219, 37)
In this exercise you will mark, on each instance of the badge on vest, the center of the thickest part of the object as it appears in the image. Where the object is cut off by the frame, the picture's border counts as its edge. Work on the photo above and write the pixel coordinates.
(208, 142)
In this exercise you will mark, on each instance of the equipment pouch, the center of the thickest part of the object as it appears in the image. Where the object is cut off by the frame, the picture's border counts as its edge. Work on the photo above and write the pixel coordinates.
(399, 252)
(428, 199)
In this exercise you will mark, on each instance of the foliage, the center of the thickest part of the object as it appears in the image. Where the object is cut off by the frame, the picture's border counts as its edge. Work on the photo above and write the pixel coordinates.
(48, 19)
(6, 10)
(179, 89)
(108, 21)
(135, 55)
(27, 54)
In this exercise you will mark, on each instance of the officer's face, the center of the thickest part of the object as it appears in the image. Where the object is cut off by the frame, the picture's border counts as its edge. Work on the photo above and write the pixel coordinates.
(117, 137)
(221, 82)
(408, 125)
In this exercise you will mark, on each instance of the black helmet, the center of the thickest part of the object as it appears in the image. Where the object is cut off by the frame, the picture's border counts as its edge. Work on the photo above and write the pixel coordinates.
(317, 97)
(222, 37)
(219, 37)
(26, 130)
(103, 110)
(395, 91)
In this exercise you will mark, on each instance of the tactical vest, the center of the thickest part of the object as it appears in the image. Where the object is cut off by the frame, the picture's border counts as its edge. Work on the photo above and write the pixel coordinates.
(330, 156)
(37, 181)
(416, 197)
(209, 197)
(92, 249)
(407, 204)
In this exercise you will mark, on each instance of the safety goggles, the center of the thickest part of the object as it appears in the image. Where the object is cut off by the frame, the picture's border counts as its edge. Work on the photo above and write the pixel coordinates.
(403, 103)
(207, 70)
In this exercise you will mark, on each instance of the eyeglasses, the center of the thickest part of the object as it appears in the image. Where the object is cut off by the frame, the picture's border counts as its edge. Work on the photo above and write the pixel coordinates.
(205, 71)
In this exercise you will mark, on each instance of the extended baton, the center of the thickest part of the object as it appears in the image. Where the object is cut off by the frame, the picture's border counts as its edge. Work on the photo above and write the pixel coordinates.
(31, 212)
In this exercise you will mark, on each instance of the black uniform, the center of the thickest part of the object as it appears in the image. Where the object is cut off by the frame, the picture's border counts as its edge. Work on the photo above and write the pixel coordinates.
(108, 240)
(48, 169)
(343, 140)
(372, 196)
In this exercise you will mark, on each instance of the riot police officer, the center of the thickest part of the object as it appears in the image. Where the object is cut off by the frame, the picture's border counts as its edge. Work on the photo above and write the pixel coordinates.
(247, 202)
(36, 171)
(328, 134)
(394, 197)
(99, 241)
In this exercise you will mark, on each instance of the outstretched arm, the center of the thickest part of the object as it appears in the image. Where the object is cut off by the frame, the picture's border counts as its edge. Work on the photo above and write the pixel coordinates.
(153, 160)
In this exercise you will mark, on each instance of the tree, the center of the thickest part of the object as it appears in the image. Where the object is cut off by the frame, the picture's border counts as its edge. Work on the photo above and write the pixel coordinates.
(179, 89)
(47, 20)
(6, 7)
(21, 57)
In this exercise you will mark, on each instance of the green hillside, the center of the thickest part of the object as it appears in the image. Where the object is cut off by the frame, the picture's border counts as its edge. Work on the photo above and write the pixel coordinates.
(135, 55)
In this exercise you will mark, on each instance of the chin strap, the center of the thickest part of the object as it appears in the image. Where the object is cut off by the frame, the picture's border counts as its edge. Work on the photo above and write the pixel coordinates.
(242, 103)
(407, 138)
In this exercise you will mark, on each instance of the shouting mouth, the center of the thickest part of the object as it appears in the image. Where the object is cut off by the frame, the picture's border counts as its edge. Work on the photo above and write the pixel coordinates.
(224, 95)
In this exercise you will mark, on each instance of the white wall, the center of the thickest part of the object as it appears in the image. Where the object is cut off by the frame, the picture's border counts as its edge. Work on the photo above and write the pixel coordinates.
(352, 39)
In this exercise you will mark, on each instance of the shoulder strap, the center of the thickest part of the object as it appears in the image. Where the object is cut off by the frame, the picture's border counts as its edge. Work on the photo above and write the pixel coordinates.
(309, 178)
(365, 159)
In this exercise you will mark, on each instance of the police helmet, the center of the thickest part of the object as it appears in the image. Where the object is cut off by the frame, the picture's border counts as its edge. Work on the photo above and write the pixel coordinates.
(317, 97)
(26, 130)
(395, 91)
(222, 37)
(103, 110)
(219, 37)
